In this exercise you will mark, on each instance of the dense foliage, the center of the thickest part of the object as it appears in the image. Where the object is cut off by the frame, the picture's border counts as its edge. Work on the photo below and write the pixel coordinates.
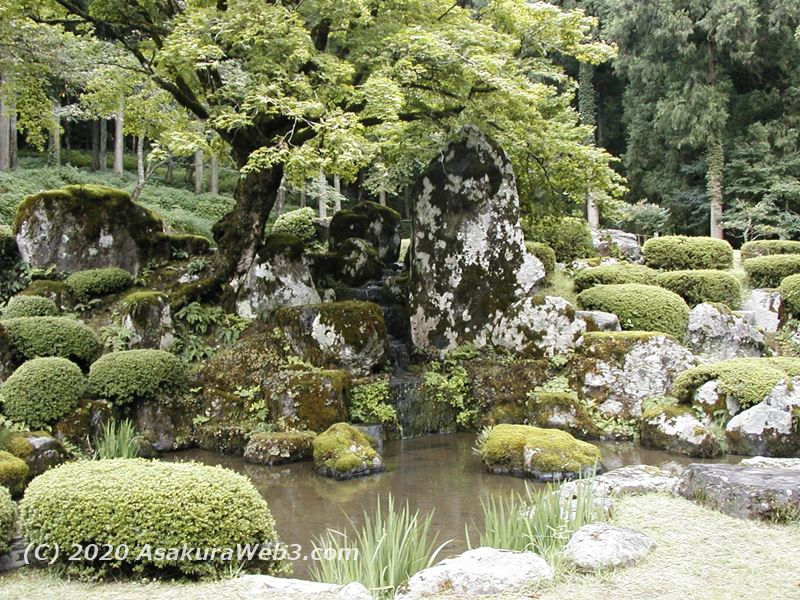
(8, 517)
(569, 237)
(610, 274)
(703, 285)
(545, 254)
(769, 271)
(34, 337)
(138, 376)
(94, 283)
(677, 252)
(30, 306)
(768, 248)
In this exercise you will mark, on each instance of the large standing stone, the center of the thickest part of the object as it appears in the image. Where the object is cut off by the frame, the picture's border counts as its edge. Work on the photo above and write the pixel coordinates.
(771, 427)
(279, 276)
(617, 243)
(599, 546)
(763, 308)
(148, 318)
(369, 221)
(539, 328)
(677, 429)
(468, 256)
(716, 333)
(478, 572)
(312, 400)
(357, 262)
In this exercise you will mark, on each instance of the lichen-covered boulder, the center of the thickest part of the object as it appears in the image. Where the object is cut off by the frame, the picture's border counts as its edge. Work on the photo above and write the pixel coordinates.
(560, 410)
(357, 262)
(598, 320)
(768, 462)
(280, 448)
(716, 333)
(278, 276)
(312, 400)
(618, 370)
(148, 318)
(540, 454)
(345, 452)
(468, 256)
(771, 427)
(618, 244)
(599, 546)
(499, 388)
(350, 335)
(222, 438)
(83, 227)
(763, 307)
(376, 224)
(539, 327)
(677, 429)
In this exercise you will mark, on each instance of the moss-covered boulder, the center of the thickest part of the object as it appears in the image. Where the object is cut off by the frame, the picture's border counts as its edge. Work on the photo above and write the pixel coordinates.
(83, 227)
(376, 224)
(539, 327)
(350, 335)
(676, 428)
(468, 257)
(95, 283)
(560, 410)
(166, 426)
(420, 412)
(83, 424)
(499, 388)
(280, 448)
(357, 262)
(56, 291)
(221, 438)
(278, 276)
(345, 452)
(616, 371)
(38, 449)
(13, 472)
(717, 333)
(540, 454)
(148, 317)
(312, 400)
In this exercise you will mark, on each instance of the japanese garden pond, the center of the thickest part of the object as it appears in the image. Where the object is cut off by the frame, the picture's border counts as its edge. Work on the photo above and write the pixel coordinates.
(438, 474)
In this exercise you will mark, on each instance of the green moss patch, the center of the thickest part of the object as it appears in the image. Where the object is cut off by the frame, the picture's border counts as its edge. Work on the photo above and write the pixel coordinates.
(13, 473)
(703, 285)
(95, 283)
(614, 274)
(679, 252)
(138, 376)
(343, 451)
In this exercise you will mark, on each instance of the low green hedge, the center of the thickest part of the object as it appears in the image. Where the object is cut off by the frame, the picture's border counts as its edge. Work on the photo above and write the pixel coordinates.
(30, 306)
(13, 472)
(545, 254)
(614, 274)
(135, 503)
(640, 307)
(299, 223)
(138, 376)
(8, 516)
(769, 247)
(94, 283)
(34, 337)
(769, 271)
(679, 252)
(790, 294)
(569, 237)
(703, 285)
(42, 391)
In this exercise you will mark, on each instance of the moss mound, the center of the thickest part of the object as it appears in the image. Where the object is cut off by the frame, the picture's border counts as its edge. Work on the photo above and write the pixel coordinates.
(138, 376)
(30, 306)
(8, 518)
(614, 274)
(679, 252)
(281, 244)
(703, 285)
(299, 223)
(790, 294)
(569, 237)
(94, 283)
(35, 337)
(13, 472)
(545, 254)
(136, 503)
(769, 271)
(42, 391)
(640, 307)
(343, 452)
(769, 247)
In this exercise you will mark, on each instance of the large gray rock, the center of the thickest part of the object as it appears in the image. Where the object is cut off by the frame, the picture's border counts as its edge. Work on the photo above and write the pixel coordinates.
(369, 221)
(539, 328)
(468, 257)
(741, 491)
(479, 572)
(357, 262)
(598, 320)
(715, 333)
(254, 587)
(148, 318)
(768, 462)
(279, 276)
(677, 429)
(762, 307)
(617, 243)
(633, 479)
(599, 546)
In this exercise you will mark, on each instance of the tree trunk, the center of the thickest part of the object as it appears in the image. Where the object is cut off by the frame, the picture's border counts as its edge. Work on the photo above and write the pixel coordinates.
(214, 167)
(280, 203)
(407, 202)
(303, 198)
(119, 140)
(68, 142)
(13, 150)
(140, 160)
(95, 165)
(322, 196)
(5, 129)
(198, 172)
(382, 197)
(103, 154)
(715, 158)
(168, 178)
(54, 150)
(337, 201)
(587, 107)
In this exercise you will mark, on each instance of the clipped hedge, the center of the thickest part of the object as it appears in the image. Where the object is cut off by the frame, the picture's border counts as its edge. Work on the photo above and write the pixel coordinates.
(42, 391)
(640, 307)
(790, 294)
(8, 517)
(569, 237)
(35, 337)
(680, 252)
(703, 285)
(13, 472)
(139, 503)
(614, 274)
(299, 223)
(769, 271)
(545, 254)
(30, 306)
(138, 376)
(94, 283)
(768, 248)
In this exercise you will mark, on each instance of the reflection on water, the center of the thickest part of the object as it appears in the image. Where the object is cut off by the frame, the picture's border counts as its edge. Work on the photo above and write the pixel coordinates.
(435, 472)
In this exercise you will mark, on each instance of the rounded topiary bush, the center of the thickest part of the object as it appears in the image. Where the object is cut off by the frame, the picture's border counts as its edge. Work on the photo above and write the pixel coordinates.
(569, 237)
(640, 307)
(680, 252)
(136, 503)
(42, 391)
(30, 306)
(138, 376)
(34, 337)
(769, 271)
(614, 274)
(769, 247)
(704, 285)
(545, 254)
(299, 223)
(790, 294)
(13, 472)
(94, 283)
(8, 516)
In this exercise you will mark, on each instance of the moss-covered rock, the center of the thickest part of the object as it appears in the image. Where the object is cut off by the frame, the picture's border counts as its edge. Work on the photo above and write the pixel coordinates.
(349, 335)
(357, 262)
(539, 327)
(680, 252)
(541, 454)
(38, 449)
(147, 315)
(770, 271)
(14, 273)
(94, 283)
(560, 410)
(280, 448)
(84, 424)
(312, 400)
(376, 224)
(169, 426)
(13, 472)
(56, 291)
(345, 452)
(223, 439)
(65, 337)
(8, 520)
(768, 248)
(676, 428)
(420, 412)
(30, 306)
(703, 285)
(614, 274)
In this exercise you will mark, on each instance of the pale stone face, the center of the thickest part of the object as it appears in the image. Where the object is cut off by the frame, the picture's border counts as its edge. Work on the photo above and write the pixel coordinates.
(599, 546)
(771, 427)
(715, 335)
(537, 330)
(269, 284)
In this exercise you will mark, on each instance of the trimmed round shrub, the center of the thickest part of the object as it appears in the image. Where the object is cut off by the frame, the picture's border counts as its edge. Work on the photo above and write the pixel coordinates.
(13, 472)
(8, 516)
(680, 252)
(769, 271)
(137, 503)
(790, 294)
(94, 283)
(299, 223)
(42, 391)
(704, 285)
(614, 274)
(569, 237)
(768, 248)
(640, 307)
(138, 376)
(545, 254)
(35, 337)
(30, 306)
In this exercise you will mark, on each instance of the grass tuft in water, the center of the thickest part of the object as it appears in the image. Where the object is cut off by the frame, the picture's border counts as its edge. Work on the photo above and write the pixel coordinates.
(117, 440)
